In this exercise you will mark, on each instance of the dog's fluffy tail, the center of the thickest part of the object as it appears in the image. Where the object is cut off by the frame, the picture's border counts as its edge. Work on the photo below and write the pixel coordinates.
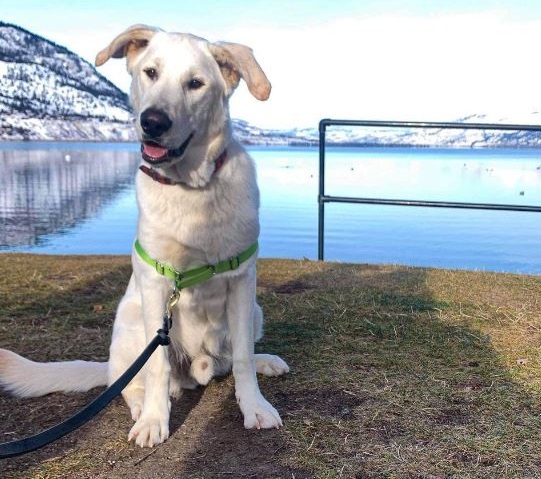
(24, 378)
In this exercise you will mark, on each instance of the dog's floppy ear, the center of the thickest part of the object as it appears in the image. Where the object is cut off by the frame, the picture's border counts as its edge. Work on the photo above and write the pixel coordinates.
(237, 61)
(127, 43)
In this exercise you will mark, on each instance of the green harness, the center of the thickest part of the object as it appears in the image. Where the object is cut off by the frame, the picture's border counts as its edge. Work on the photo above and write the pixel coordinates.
(185, 279)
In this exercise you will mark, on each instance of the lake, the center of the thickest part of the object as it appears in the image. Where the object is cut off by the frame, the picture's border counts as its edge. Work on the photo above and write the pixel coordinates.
(78, 198)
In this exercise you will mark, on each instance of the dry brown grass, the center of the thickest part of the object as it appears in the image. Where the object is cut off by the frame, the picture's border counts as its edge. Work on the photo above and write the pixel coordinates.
(396, 373)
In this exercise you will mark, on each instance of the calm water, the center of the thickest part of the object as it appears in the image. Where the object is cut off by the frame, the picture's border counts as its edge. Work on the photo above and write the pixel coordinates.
(79, 199)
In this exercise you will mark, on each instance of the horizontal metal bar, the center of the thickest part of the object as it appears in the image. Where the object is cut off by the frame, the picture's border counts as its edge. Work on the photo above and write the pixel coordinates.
(322, 198)
(323, 124)
(423, 203)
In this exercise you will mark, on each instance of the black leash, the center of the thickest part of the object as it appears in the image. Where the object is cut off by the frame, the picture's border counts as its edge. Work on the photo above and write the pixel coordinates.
(28, 444)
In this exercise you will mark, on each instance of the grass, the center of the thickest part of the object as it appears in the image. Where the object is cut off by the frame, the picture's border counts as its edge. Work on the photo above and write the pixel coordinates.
(396, 372)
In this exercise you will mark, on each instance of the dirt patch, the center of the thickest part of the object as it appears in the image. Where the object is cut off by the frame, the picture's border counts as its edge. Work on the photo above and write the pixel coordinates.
(385, 431)
(293, 287)
(452, 416)
(326, 402)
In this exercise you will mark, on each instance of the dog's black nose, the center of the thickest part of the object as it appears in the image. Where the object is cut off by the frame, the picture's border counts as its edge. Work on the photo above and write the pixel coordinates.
(155, 122)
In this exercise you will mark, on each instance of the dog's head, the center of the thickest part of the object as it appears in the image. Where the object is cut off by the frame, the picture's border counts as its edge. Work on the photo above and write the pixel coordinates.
(180, 87)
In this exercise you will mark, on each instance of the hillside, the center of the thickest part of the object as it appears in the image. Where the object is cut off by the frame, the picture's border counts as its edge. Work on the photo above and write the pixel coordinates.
(49, 92)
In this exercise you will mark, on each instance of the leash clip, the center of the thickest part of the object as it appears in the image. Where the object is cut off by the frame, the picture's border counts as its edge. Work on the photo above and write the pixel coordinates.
(173, 299)
(163, 333)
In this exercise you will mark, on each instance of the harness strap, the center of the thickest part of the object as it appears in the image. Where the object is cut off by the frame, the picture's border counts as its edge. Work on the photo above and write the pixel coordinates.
(185, 279)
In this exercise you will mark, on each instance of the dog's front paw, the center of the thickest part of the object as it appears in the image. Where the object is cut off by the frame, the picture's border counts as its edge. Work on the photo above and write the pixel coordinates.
(259, 413)
(149, 431)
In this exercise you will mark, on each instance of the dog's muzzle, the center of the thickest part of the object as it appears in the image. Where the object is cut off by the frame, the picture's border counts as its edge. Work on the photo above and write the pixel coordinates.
(156, 154)
(154, 124)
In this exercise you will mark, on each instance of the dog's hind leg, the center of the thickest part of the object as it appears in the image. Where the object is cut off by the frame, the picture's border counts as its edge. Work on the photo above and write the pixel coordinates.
(266, 364)
(206, 367)
(202, 369)
(270, 365)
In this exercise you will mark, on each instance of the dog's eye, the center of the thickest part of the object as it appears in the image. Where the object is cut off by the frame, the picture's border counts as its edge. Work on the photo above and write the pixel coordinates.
(151, 73)
(195, 84)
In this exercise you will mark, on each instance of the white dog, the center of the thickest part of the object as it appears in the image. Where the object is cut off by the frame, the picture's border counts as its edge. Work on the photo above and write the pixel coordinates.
(198, 205)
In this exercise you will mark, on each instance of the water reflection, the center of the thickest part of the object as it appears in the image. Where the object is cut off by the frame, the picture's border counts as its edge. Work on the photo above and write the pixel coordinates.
(44, 192)
(65, 198)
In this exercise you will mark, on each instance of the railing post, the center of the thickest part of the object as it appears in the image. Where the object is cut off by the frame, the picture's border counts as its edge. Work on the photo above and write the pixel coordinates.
(321, 194)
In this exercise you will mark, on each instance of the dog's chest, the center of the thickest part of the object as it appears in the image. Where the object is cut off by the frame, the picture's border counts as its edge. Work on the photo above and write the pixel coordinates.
(205, 221)
(200, 318)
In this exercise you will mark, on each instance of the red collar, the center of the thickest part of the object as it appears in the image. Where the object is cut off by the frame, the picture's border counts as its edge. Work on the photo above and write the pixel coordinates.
(157, 176)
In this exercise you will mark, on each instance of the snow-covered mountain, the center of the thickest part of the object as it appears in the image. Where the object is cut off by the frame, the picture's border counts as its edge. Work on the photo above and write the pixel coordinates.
(49, 93)
(435, 137)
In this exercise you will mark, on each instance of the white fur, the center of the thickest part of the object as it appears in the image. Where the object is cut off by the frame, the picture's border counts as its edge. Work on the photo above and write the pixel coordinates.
(24, 378)
(210, 216)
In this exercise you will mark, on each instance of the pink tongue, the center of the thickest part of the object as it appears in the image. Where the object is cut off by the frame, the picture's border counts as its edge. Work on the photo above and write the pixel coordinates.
(155, 151)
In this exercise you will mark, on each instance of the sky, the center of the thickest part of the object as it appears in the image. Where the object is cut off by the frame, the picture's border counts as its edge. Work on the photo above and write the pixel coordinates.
(420, 60)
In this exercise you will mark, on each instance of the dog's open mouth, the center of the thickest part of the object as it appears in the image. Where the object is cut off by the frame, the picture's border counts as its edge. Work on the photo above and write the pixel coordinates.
(154, 153)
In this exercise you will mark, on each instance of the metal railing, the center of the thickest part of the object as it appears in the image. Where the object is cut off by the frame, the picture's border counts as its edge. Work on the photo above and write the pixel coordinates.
(323, 198)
